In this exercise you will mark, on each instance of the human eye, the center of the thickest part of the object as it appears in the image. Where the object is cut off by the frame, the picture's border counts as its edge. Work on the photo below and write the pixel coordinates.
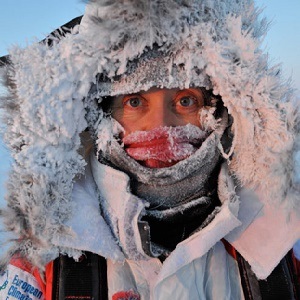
(133, 101)
(187, 101)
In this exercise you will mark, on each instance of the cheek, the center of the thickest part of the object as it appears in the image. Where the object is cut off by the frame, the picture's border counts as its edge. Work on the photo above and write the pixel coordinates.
(118, 115)
(129, 128)
(128, 124)
(192, 119)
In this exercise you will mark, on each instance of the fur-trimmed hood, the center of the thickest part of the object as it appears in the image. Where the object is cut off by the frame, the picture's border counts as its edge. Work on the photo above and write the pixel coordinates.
(122, 48)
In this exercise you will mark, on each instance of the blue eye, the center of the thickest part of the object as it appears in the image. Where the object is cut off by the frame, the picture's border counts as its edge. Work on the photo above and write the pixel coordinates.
(133, 102)
(187, 101)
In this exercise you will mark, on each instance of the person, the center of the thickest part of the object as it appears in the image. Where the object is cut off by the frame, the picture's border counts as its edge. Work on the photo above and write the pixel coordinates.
(155, 156)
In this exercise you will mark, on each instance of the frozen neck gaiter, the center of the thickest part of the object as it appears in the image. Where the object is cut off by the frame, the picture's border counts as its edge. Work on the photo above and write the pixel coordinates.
(164, 146)
(182, 193)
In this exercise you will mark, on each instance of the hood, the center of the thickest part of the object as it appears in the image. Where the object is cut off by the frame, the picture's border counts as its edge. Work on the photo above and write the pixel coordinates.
(125, 48)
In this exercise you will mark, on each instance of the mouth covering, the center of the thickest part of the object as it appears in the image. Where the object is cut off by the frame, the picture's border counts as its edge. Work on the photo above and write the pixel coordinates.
(163, 146)
(181, 196)
(113, 153)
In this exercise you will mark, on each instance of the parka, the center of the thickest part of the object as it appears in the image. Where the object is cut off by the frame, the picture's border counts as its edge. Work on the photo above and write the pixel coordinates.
(64, 199)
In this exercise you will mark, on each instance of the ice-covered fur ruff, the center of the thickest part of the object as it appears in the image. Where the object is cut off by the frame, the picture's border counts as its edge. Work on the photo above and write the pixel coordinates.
(179, 43)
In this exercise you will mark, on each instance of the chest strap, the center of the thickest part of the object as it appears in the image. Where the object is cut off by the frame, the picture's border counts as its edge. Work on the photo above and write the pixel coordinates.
(282, 283)
(82, 280)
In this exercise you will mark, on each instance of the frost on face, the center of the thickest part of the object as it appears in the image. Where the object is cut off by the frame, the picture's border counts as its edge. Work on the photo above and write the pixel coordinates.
(108, 129)
(164, 146)
(207, 118)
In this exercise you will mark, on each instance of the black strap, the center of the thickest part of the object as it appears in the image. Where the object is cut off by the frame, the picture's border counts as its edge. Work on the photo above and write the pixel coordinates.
(294, 271)
(249, 281)
(82, 280)
(281, 284)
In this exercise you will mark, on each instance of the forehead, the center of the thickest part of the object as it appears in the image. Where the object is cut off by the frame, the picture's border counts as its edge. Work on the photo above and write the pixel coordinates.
(164, 92)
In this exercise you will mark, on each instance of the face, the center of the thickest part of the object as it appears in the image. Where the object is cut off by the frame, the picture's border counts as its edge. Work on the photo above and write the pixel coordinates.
(145, 111)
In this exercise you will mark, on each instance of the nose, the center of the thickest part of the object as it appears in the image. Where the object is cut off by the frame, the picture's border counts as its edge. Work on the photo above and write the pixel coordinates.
(158, 116)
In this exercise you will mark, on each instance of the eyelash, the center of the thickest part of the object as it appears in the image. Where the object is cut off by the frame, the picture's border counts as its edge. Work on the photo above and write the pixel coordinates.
(194, 99)
(177, 99)
(127, 101)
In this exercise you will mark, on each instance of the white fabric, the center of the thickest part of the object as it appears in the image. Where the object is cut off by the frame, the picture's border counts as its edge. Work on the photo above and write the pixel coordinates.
(242, 222)
(213, 276)
(121, 208)
(88, 223)
(267, 233)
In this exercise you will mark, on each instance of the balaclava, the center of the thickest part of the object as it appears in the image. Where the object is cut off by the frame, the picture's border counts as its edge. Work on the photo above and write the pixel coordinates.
(175, 169)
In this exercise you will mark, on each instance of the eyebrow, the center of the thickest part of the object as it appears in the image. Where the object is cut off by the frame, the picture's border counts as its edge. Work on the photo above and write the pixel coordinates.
(133, 94)
(191, 90)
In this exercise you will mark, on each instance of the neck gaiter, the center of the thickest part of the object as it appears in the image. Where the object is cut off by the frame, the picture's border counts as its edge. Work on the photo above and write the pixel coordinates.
(182, 193)
(164, 146)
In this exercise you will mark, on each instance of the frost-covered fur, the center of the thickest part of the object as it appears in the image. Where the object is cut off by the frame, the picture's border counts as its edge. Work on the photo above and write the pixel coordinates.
(208, 43)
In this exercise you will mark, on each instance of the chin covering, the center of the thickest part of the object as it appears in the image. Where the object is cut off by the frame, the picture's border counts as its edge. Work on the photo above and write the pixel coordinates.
(55, 91)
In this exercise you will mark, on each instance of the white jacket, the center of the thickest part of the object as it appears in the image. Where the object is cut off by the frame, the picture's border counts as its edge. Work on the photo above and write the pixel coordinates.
(199, 267)
(53, 97)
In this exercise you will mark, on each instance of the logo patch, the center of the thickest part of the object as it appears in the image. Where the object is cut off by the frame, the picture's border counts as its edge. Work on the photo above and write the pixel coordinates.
(18, 284)
(3, 280)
